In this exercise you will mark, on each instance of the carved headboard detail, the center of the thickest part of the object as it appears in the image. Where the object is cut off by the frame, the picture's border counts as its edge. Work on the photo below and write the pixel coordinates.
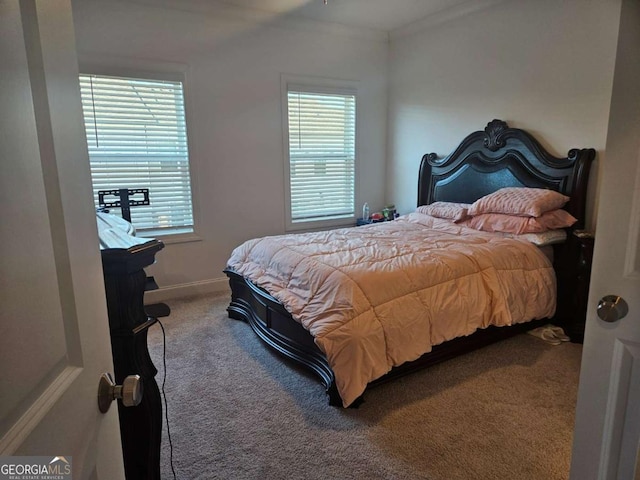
(500, 156)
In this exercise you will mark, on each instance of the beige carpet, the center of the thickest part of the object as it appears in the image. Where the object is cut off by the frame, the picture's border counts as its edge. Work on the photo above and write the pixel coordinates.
(237, 411)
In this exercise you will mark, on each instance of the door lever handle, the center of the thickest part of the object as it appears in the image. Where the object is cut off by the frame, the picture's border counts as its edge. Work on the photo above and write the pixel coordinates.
(130, 392)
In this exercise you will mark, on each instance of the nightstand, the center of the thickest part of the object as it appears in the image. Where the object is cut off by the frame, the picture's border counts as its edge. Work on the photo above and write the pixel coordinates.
(577, 290)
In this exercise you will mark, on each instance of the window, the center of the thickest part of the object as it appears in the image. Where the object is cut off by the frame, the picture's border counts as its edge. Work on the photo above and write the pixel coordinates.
(322, 151)
(137, 138)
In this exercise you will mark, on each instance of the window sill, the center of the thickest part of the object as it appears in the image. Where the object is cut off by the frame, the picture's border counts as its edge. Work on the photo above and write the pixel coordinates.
(319, 225)
(171, 238)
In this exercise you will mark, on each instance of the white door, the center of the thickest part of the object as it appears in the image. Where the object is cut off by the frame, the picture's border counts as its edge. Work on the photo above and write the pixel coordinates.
(607, 433)
(54, 337)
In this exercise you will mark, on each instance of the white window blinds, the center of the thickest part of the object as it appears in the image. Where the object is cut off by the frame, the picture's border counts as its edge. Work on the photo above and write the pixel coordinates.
(136, 133)
(322, 131)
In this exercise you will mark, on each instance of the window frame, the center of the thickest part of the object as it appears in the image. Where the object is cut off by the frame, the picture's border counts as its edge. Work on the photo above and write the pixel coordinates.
(320, 86)
(157, 71)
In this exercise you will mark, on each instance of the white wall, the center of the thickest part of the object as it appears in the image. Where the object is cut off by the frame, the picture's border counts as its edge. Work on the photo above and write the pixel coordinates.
(542, 65)
(233, 64)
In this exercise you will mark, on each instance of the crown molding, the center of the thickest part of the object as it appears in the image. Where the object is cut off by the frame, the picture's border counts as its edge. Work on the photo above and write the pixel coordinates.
(266, 19)
(441, 17)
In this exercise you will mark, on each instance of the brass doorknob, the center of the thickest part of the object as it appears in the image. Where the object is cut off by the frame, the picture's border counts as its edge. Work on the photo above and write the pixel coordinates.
(612, 308)
(130, 392)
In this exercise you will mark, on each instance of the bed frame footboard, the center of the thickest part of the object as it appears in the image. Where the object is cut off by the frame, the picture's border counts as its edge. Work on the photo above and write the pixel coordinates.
(274, 326)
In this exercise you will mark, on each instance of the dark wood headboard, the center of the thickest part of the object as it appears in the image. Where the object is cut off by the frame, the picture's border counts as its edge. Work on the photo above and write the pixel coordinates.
(500, 156)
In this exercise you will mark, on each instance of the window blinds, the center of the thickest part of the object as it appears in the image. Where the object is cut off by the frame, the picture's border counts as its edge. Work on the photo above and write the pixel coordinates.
(136, 134)
(322, 130)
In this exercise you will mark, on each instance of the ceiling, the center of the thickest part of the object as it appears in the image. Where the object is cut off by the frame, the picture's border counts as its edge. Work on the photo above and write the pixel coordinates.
(386, 15)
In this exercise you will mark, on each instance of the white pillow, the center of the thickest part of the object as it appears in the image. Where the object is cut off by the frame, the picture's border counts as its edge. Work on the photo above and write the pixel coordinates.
(549, 237)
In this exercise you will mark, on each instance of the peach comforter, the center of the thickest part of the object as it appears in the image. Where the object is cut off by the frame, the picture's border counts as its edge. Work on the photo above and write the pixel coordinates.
(377, 296)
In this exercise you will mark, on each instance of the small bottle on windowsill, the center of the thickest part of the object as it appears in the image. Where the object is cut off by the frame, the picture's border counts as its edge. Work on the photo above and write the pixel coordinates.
(365, 212)
(366, 216)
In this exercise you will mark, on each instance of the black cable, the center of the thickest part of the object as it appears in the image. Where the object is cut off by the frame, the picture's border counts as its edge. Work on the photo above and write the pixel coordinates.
(164, 395)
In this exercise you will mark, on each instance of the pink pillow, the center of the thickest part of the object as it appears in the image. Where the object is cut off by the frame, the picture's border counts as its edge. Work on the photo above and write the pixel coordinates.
(524, 201)
(498, 222)
(449, 210)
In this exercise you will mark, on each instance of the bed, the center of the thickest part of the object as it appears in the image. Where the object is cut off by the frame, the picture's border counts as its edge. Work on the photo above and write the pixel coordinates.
(485, 161)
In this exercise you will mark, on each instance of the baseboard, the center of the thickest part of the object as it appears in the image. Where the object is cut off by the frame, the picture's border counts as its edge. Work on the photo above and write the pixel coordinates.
(202, 287)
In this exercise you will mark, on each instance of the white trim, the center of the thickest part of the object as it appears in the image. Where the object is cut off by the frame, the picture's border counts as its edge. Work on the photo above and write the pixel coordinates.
(311, 83)
(286, 21)
(316, 85)
(632, 258)
(619, 436)
(171, 238)
(31, 419)
(113, 65)
(201, 287)
(441, 17)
